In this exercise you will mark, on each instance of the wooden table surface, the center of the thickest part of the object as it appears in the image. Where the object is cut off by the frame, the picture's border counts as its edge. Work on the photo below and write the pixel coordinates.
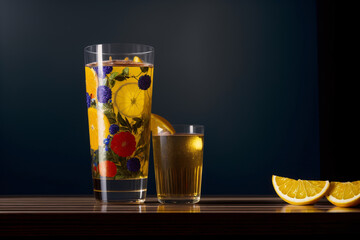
(214, 215)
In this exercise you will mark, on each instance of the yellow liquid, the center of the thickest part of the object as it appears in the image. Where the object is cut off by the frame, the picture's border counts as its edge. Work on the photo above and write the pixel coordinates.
(119, 111)
(178, 162)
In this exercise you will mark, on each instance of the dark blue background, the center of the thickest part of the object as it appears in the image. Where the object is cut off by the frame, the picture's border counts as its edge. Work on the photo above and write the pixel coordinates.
(247, 70)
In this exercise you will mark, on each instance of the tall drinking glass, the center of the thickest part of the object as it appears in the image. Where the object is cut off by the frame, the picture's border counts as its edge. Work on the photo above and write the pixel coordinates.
(119, 83)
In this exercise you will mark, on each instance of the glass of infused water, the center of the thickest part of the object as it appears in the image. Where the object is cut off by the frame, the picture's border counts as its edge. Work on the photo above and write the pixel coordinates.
(119, 83)
(178, 163)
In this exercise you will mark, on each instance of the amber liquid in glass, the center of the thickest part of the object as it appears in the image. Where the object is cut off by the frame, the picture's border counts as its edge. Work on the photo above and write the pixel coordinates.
(178, 163)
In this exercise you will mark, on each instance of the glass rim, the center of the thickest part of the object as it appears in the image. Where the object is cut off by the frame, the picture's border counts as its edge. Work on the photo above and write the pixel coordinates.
(188, 128)
(152, 49)
(186, 125)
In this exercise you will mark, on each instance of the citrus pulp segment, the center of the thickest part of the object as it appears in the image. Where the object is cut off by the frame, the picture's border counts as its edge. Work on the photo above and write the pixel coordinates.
(299, 192)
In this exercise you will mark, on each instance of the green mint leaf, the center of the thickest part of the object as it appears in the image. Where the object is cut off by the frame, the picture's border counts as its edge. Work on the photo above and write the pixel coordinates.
(111, 83)
(128, 123)
(121, 120)
(139, 150)
(109, 155)
(124, 129)
(113, 75)
(106, 106)
(116, 158)
(136, 119)
(141, 140)
(120, 78)
(108, 111)
(125, 71)
(138, 124)
(110, 116)
(123, 76)
(107, 83)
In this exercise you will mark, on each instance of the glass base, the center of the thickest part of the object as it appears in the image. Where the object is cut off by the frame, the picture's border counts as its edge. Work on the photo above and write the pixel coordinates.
(181, 200)
(125, 191)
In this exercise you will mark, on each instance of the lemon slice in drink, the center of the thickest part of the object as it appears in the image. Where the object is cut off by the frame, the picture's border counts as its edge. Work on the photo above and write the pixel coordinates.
(98, 127)
(344, 194)
(160, 125)
(137, 59)
(299, 192)
(91, 81)
(129, 99)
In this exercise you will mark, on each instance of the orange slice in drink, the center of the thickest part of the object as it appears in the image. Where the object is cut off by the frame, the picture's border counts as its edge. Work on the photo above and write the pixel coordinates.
(160, 125)
(129, 99)
(98, 127)
(91, 82)
(137, 59)
(299, 192)
(344, 194)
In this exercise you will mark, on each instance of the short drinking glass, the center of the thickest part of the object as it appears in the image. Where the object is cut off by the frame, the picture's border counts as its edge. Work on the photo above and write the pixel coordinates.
(178, 163)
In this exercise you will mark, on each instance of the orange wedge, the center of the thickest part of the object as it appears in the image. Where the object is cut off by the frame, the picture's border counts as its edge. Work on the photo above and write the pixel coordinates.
(299, 192)
(160, 125)
(344, 194)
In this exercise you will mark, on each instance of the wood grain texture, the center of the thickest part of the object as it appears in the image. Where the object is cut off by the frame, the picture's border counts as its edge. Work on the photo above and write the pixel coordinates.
(82, 216)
